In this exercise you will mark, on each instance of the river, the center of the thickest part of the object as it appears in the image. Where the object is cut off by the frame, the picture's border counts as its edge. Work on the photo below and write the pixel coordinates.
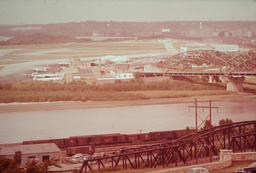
(16, 127)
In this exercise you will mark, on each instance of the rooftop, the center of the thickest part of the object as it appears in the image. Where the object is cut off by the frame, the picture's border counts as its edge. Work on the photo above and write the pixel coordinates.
(85, 71)
(28, 149)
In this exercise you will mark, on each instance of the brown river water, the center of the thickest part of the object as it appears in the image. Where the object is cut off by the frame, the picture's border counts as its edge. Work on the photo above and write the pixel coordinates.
(16, 127)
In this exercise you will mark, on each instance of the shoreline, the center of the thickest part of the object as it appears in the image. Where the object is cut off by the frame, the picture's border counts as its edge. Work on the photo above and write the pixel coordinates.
(50, 106)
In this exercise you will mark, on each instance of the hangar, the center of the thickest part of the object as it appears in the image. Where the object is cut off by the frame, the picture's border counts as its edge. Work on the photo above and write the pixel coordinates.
(227, 47)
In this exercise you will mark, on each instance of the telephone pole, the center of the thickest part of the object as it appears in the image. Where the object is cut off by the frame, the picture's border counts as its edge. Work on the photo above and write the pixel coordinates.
(140, 137)
(210, 128)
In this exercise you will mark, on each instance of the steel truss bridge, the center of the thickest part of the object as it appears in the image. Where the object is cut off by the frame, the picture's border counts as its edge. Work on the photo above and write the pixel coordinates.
(224, 64)
(239, 137)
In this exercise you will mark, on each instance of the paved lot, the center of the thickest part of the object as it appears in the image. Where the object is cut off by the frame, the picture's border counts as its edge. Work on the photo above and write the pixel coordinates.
(20, 72)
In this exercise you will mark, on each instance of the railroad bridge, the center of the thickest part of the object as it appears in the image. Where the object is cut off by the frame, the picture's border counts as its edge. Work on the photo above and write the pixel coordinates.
(231, 67)
(239, 137)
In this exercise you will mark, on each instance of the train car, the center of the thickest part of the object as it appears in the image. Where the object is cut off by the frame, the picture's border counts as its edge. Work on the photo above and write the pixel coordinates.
(178, 133)
(133, 138)
(61, 143)
(81, 141)
(144, 137)
(37, 142)
(122, 138)
(88, 140)
(96, 140)
(161, 135)
(81, 149)
(112, 138)
(65, 142)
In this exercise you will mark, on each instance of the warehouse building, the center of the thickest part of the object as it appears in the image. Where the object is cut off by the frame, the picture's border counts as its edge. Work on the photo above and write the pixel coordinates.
(38, 152)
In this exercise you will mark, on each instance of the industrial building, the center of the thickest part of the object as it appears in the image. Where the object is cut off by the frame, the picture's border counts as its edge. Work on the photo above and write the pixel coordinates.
(38, 152)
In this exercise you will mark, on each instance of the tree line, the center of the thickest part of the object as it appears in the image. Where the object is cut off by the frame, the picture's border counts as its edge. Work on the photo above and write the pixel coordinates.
(41, 91)
(207, 125)
(117, 86)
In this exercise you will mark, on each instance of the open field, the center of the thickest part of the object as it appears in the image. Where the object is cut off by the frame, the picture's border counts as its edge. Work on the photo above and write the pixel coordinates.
(10, 62)
(19, 60)
(81, 50)
(177, 45)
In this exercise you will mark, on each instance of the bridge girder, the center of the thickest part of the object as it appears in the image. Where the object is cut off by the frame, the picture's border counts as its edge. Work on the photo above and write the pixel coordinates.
(224, 61)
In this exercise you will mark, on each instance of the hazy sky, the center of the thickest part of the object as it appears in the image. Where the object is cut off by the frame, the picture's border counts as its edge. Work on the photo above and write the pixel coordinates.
(62, 11)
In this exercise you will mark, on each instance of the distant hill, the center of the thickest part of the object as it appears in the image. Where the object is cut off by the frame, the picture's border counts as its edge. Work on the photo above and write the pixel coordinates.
(122, 28)
(66, 32)
(40, 38)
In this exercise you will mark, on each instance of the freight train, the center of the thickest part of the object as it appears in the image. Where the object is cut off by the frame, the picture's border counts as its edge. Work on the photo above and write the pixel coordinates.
(107, 139)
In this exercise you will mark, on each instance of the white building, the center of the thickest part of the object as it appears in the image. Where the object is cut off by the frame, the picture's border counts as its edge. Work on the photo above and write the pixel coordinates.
(40, 152)
(183, 49)
(117, 76)
(124, 75)
(165, 30)
(226, 47)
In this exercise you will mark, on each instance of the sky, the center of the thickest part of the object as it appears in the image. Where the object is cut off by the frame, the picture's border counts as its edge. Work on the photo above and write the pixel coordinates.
(63, 11)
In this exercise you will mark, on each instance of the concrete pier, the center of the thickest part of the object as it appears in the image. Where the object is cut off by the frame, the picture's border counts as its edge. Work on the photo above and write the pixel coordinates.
(213, 79)
(235, 84)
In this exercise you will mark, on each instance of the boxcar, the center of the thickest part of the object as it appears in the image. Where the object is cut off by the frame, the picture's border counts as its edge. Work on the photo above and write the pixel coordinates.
(133, 138)
(145, 137)
(37, 142)
(88, 140)
(122, 138)
(112, 138)
(83, 150)
(61, 143)
(96, 140)
(178, 133)
(81, 141)
(162, 135)
(65, 142)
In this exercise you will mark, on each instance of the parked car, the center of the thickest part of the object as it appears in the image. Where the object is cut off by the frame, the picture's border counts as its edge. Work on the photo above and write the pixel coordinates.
(198, 170)
(68, 159)
(78, 155)
(74, 160)
(250, 169)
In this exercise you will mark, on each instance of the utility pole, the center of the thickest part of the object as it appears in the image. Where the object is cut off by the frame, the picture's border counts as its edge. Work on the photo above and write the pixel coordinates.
(210, 137)
(210, 128)
(196, 132)
(140, 137)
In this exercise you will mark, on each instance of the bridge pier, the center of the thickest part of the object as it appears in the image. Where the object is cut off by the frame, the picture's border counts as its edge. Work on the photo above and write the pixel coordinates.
(235, 84)
(213, 79)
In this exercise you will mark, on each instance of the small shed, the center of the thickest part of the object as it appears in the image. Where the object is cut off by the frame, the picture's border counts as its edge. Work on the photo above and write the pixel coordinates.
(40, 152)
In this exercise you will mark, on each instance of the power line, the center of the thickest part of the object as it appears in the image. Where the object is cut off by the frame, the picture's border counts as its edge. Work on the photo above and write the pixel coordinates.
(196, 116)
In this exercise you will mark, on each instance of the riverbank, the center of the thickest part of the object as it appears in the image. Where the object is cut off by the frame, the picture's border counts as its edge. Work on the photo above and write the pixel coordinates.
(48, 106)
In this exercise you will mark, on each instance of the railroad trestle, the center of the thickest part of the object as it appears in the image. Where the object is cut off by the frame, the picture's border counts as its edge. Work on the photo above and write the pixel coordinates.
(239, 137)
